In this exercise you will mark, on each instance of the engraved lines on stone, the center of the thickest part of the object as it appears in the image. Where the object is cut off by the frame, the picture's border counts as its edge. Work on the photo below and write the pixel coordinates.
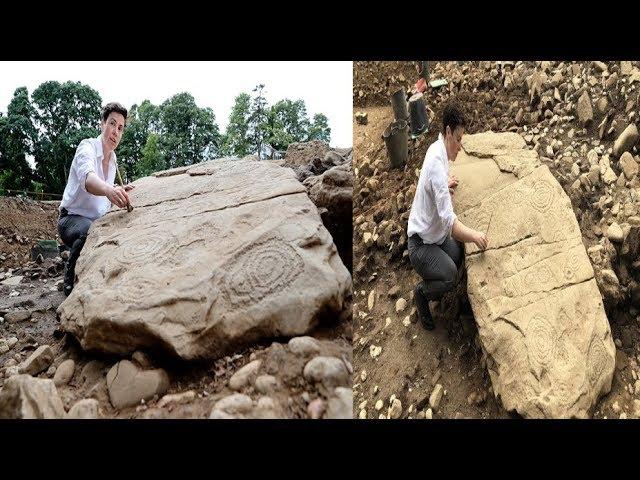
(261, 269)
(138, 289)
(147, 247)
(597, 360)
(542, 342)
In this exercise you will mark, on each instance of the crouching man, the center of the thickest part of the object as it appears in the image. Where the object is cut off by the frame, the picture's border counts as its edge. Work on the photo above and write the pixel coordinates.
(90, 188)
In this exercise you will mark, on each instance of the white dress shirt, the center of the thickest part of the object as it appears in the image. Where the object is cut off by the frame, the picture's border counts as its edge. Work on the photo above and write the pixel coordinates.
(432, 214)
(88, 159)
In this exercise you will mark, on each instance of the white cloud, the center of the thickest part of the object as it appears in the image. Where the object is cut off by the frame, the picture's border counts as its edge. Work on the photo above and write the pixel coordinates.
(326, 87)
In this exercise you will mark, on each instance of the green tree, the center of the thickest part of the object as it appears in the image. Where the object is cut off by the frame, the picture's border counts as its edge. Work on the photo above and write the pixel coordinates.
(152, 159)
(287, 122)
(142, 121)
(258, 121)
(189, 134)
(235, 140)
(319, 128)
(17, 134)
(65, 114)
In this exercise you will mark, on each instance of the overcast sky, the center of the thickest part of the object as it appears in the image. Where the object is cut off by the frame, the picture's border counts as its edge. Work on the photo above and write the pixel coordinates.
(326, 87)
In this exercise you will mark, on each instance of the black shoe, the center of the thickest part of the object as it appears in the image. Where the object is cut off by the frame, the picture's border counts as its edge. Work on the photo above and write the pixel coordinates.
(423, 309)
(67, 289)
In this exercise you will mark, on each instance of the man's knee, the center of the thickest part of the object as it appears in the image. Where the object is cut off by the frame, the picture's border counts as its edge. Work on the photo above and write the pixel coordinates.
(450, 276)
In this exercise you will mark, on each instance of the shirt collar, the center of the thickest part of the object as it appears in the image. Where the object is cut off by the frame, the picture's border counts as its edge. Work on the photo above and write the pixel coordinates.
(444, 148)
(99, 151)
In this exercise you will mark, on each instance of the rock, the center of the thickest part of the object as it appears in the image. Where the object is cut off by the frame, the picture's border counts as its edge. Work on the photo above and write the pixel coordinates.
(584, 110)
(128, 385)
(142, 359)
(395, 410)
(38, 361)
(332, 193)
(304, 346)
(401, 304)
(85, 409)
(609, 176)
(304, 152)
(64, 373)
(538, 267)
(428, 415)
(361, 118)
(627, 139)
(379, 404)
(236, 405)
(614, 233)
(12, 281)
(394, 291)
(329, 371)
(177, 259)
(600, 66)
(316, 408)
(244, 376)
(340, 406)
(17, 316)
(266, 384)
(602, 105)
(371, 300)
(375, 351)
(23, 396)
(177, 398)
(628, 165)
(436, 396)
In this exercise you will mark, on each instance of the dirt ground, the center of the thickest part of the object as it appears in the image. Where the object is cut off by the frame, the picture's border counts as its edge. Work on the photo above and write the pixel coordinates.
(394, 356)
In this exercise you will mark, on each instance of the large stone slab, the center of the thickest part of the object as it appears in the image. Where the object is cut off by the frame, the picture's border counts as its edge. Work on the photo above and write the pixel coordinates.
(540, 315)
(212, 258)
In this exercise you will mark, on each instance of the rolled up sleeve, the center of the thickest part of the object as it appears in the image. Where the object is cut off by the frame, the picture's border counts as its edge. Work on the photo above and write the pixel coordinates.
(85, 162)
(440, 188)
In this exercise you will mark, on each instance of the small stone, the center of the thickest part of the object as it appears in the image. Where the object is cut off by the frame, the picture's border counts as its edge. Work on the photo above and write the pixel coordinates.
(128, 385)
(236, 405)
(401, 304)
(142, 359)
(340, 406)
(64, 373)
(618, 343)
(362, 415)
(379, 405)
(363, 376)
(436, 396)
(177, 398)
(584, 109)
(85, 409)
(17, 316)
(636, 387)
(242, 377)
(375, 351)
(38, 361)
(304, 346)
(614, 233)
(12, 281)
(627, 139)
(371, 300)
(316, 408)
(628, 165)
(266, 384)
(24, 396)
(361, 118)
(329, 371)
(428, 415)
(395, 410)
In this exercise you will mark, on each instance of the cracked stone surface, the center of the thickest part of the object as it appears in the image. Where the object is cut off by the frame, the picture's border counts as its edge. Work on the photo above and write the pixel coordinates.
(540, 316)
(214, 257)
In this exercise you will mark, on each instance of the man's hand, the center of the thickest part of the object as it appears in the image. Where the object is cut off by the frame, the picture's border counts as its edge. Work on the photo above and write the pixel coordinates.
(118, 196)
(453, 181)
(128, 187)
(480, 239)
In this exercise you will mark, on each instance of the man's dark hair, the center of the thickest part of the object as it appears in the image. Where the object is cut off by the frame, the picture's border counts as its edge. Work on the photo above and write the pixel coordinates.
(452, 116)
(114, 107)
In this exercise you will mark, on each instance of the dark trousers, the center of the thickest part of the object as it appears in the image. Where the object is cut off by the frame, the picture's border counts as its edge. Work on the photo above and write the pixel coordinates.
(73, 232)
(436, 264)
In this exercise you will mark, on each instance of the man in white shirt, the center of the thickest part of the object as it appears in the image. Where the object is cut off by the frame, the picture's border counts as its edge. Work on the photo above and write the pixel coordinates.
(433, 227)
(90, 188)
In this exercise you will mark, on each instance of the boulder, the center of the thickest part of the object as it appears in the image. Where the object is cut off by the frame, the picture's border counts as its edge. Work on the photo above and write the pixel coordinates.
(540, 315)
(24, 396)
(211, 259)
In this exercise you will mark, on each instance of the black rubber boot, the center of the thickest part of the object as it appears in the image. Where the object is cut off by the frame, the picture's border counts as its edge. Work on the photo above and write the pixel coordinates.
(422, 304)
